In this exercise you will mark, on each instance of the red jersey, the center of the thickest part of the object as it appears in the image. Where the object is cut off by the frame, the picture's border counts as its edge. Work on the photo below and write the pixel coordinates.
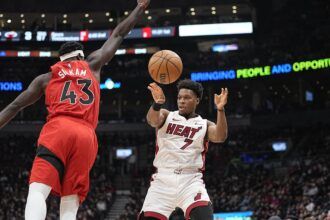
(73, 91)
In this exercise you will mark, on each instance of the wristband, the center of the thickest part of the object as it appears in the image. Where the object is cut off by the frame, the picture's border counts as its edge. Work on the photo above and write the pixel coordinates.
(156, 106)
(221, 110)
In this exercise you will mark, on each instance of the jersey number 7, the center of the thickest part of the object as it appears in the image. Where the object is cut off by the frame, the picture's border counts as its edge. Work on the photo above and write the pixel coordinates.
(72, 96)
(188, 142)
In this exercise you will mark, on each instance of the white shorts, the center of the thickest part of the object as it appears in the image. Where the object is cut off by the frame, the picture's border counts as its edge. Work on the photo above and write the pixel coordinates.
(169, 190)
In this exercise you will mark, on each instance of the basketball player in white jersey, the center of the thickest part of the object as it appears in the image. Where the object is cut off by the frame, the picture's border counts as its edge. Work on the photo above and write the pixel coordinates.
(182, 142)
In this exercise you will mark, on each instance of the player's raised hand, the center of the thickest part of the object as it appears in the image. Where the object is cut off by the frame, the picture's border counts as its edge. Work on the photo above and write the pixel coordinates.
(157, 93)
(143, 3)
(221, 100)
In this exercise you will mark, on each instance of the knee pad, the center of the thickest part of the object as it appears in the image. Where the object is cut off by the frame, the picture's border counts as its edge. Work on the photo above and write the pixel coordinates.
(202, 213)
(41, 188)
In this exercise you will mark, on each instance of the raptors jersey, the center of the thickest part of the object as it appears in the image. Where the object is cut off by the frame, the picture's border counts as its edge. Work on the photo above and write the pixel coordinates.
(181, 143)
(73, 91)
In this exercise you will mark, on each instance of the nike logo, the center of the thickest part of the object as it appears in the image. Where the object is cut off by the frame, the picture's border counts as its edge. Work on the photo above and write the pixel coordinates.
(198, 123)
(174, 119)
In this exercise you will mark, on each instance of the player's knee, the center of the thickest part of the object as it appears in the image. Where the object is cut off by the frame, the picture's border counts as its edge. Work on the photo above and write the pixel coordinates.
(202, 213)
(177, 214)
(142, 217)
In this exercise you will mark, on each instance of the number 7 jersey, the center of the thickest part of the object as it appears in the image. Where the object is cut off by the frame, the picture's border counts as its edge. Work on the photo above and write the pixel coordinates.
(73, 91)
(181, 143)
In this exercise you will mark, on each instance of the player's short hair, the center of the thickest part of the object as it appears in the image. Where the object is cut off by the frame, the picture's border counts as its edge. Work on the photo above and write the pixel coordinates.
(69, 47)
(196, 87)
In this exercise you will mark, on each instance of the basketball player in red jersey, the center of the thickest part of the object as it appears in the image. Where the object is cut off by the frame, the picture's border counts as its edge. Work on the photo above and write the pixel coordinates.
(67, 145)
(181, 145)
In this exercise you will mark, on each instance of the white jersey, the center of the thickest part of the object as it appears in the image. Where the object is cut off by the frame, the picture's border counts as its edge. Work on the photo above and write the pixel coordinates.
(181, 143)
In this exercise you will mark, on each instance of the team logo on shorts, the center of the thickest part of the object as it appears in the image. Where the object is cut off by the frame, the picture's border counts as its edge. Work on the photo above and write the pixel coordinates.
(198, 196)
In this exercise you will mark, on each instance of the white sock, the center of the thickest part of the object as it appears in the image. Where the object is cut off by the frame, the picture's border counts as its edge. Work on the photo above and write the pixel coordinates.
(36, 208)
(69, 207)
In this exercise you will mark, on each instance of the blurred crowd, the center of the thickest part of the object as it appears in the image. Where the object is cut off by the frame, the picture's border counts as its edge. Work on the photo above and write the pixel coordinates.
(299, 193)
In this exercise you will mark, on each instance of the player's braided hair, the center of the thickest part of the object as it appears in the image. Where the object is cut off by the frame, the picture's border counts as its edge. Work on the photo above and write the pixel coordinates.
(69, 47)
(196, 87)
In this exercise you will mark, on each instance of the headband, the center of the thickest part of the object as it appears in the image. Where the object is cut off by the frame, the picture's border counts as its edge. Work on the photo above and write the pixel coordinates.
(72, 54)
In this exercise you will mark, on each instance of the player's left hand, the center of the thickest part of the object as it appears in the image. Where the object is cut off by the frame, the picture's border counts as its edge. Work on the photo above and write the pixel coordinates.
(221, 100)
(143, 3)
(157, 93)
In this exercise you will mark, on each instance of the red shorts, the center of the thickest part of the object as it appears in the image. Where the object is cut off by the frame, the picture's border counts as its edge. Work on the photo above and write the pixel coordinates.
(74, 142)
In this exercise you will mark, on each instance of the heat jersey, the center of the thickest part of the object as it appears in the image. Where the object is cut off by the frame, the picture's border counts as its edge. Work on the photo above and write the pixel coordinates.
(181, 143)
(73, 91)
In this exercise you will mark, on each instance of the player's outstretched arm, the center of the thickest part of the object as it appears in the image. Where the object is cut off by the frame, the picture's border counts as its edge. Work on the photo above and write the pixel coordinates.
(218, 132)
(156, 115)
(26, 98)
(103, 55)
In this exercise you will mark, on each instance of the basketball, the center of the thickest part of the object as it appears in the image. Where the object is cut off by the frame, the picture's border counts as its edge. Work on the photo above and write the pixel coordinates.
(165, 67)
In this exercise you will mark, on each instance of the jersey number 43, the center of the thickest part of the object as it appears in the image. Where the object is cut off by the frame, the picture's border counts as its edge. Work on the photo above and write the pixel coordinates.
(72, 96)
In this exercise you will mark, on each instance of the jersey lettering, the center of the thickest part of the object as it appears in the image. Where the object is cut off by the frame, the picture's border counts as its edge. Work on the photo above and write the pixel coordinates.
(183, 131)
(72, 96)
(70, 72)
(188, 142)
(86, 84)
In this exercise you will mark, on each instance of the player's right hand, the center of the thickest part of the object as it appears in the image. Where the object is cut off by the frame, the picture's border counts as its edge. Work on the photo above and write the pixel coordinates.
(143, 3)
(157, 93)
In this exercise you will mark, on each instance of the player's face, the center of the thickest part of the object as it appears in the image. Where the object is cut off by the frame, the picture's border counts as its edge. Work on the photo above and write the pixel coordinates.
(187, 101)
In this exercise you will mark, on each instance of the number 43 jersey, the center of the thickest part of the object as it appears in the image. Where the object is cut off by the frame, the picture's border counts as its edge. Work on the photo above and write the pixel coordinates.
(181, 143)
(73, 91)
